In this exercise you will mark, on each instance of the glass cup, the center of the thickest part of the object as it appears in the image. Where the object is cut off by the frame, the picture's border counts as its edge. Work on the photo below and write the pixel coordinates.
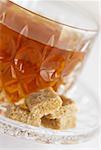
(43, 46)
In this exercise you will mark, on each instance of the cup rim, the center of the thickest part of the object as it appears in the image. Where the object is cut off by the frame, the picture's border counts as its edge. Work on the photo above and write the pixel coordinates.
(58, 22)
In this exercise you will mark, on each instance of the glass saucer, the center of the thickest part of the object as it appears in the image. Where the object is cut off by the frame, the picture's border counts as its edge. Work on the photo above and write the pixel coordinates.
(87, 122)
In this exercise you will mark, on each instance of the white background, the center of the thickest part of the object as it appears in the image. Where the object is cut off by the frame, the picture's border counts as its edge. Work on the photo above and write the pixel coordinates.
(90, 77)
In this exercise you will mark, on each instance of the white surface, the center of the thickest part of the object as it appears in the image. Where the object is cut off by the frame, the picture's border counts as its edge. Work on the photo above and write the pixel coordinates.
(10, 143)
(90, 77)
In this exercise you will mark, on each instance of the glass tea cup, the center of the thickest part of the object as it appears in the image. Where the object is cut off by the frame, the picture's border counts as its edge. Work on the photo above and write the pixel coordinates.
(38, 52)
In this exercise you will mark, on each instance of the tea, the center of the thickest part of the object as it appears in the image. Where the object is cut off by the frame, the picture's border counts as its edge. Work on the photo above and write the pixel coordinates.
(35, 52)
(28, 65)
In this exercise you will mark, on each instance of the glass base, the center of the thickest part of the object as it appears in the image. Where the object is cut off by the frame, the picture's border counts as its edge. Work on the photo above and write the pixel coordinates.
(87, 122)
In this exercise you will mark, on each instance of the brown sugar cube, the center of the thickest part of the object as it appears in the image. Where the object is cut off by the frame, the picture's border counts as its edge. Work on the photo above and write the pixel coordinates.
(23, 115)
(16, 113)
(65, 100)
(63, 118)
(34, 120)
(64, 122)
(68, 108)
(24, 106)
(43, 102)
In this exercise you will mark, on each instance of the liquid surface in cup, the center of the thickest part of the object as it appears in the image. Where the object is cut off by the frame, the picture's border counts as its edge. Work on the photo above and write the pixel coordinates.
(33, 53)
